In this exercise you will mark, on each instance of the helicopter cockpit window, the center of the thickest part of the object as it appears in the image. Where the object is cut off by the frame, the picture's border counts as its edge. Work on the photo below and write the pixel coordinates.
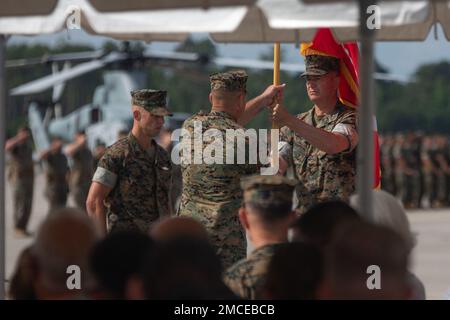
(95, 115)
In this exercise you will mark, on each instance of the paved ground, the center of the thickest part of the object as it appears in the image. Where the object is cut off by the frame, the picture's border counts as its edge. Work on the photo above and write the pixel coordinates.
(431, 258)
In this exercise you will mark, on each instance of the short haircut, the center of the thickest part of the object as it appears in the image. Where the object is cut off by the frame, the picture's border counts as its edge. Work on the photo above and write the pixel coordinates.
(272, 212)
(294, 272)
(65, 238)
(318, 223)
(357, 245)
(184, 268)
(117, 257)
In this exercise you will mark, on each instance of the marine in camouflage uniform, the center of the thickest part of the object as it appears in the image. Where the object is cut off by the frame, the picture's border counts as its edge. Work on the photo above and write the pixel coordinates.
(211, 192)
(410, 156)
(137, 180)
(57, 171)
(21, 176)
(81, 171)
(322, 176)
(388, 165)
(269, 200)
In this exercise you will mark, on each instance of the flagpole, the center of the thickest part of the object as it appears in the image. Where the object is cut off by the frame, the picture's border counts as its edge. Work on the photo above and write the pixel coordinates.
(276, 81)
(276, 63)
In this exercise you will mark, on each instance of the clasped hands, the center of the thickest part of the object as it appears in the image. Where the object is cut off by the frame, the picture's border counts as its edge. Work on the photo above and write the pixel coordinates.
(273, 97)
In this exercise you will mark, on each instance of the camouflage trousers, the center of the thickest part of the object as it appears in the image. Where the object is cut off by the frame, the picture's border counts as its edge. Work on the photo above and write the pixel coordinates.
(23, 199)
(409, 190)
(56, 200)
(221, 221)
(79, 195)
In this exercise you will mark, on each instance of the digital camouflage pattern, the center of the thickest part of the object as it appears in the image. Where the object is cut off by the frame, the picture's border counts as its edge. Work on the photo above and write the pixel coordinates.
(212, 193)
(321, 176)
(141, 194)
(21, 175)
(154, 101)
(318, 65)
(229, 81)
(247, 276)
(81, 176)
(57, 186)
(267, 190)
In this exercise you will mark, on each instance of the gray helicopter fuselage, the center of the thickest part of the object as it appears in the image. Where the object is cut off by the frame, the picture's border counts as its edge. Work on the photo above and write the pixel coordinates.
(109, 112)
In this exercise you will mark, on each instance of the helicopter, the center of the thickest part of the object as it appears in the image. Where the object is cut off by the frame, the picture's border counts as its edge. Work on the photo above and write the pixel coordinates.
(106, 116)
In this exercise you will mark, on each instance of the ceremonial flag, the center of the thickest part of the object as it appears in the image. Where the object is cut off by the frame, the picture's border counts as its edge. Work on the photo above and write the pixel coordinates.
(325, 44)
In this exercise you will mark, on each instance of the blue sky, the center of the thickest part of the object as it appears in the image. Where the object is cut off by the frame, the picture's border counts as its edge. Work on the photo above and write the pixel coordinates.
(399, 57)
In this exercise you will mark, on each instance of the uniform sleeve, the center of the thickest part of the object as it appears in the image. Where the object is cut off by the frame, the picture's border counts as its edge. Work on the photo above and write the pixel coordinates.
(107, 170)
(348, 128)
(285, 144)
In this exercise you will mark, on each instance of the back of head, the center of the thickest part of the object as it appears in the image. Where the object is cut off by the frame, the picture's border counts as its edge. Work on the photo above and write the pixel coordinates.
(294, 272)
(64, 239)
(366, 261)
(268, 197)
(21, 286)
(117, 258)
(184, 268)
(319, 222)
(389, 212)
(176, 227)
(226, 90)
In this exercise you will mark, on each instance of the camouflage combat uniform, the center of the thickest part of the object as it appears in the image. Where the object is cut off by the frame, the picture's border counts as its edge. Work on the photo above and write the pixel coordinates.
(321, 176)
(211, 192)
(57, 187)
(140, 179)
(246, 278)
(81, 176)
(21, 175)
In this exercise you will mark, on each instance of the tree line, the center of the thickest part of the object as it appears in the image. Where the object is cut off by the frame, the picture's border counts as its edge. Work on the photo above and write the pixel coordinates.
(423, 104)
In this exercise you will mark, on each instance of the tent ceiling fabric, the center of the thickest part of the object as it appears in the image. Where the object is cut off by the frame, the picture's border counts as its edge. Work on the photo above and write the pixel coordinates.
(130, 5)
(294, 21)
(164, 25)
(286, 21)
(26, 7)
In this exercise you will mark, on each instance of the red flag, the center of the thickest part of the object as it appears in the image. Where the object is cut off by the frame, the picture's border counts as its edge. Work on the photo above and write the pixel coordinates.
(348, 53)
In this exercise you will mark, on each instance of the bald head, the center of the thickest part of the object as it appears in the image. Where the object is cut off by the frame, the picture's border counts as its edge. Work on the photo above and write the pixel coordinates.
(177, 227)
(65, 238)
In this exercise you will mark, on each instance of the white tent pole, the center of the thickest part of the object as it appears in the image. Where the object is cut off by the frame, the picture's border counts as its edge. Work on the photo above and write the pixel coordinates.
(365, 161)
(2, 164)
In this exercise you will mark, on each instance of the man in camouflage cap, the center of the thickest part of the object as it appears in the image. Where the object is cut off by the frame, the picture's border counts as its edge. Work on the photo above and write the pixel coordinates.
(266, 215)
(211, 192)
(229, 81)
(133, 177)
(321, 143)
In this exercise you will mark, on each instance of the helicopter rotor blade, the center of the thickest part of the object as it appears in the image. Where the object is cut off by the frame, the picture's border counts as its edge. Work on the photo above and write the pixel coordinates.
(49, 81)
(74, 56)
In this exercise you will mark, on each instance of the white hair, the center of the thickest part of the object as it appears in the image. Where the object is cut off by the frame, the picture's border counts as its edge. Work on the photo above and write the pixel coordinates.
(388, 212)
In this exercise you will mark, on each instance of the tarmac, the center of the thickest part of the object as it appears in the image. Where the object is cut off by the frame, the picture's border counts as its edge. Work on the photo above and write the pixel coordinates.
(430, 259)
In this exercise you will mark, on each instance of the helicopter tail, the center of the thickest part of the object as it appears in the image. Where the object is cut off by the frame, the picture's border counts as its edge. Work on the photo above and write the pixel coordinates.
(37, 127)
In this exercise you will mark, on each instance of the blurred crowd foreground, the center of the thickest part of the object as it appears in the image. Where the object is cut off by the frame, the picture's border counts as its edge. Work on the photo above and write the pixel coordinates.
(329, 252)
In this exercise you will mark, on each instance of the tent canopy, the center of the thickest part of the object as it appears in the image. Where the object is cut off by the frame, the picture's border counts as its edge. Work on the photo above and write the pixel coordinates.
(294, 21)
